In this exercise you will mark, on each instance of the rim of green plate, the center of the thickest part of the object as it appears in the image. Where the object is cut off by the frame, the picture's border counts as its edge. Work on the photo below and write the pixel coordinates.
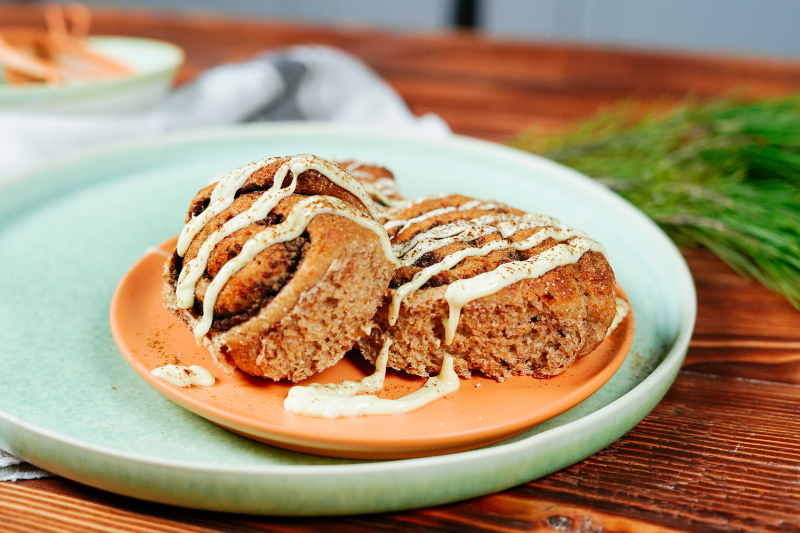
(683, 283)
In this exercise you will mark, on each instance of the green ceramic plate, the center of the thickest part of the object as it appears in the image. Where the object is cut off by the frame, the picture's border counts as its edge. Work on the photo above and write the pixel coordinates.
(154, 63)
(69, 402)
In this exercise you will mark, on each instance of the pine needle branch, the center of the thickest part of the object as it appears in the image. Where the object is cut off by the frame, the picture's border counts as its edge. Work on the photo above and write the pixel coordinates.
(723, 175)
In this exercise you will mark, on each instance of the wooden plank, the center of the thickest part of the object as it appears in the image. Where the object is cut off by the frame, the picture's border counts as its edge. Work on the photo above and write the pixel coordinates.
(718, 454)
(732, 305)
(742, 329)
(28, 507)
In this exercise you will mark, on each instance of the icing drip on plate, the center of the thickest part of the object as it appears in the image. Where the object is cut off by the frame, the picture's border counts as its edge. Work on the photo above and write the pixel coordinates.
(182, 376)
(623, 308)
(572, 245)
(343, 400)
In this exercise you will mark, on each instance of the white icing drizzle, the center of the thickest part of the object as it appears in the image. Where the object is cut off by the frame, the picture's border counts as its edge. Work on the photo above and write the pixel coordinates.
(341, 400)
(449, 261)
(473, 204)
(623, 308)
(429, 214)
(387, 214)
(509, 224)
(463, 291)
(469, 230)
(181, 376)
(352, 165)
(382, 190)
(295, 224)
(291, 228)
(215, 178)
(225, 191)
(390, 213)
(431, 240)
(221, 198)
(193, 270)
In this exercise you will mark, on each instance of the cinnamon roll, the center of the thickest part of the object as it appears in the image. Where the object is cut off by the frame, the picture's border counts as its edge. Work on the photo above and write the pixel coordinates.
(279, 266)
(502, 291)
(379, 182)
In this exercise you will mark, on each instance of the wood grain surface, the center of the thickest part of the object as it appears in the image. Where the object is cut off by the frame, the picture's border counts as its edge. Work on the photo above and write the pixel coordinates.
(719, 453)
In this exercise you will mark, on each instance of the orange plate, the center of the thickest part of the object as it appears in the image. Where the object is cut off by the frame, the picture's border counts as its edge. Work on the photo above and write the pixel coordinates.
(481, 412)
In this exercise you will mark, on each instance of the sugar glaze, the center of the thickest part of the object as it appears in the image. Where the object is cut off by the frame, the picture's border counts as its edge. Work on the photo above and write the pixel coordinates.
(342, 400)
(182, 376)
(623, 308)
(461, 292)
(292, 227)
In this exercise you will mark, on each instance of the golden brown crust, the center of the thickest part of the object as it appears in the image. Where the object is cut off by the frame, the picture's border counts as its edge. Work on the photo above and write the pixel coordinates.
(378, 180)
(364, 171)
(535, 327)
(309, 183)
(299, 305)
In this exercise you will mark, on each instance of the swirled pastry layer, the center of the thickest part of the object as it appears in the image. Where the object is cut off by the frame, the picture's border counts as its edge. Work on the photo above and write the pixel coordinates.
(279, 265)
(502, 291)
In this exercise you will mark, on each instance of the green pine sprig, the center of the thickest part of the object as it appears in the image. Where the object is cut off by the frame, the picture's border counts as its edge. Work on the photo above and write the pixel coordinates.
(724, 175)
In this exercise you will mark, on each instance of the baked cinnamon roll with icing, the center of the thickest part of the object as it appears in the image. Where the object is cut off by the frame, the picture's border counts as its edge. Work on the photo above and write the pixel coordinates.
(279, 266)
(502, 291)
(380, 184)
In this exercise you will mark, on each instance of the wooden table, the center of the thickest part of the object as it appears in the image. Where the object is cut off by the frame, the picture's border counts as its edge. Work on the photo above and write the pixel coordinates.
(719, 453)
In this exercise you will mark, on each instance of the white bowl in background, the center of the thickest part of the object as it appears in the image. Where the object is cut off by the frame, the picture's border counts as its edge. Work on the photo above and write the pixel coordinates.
(154, 63)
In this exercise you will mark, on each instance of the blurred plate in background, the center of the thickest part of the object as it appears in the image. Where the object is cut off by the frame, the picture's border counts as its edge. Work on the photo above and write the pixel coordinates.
(155, 64)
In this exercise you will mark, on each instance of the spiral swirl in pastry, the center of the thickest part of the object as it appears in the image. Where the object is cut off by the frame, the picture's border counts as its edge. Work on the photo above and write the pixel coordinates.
(502, 291)
(279, 266)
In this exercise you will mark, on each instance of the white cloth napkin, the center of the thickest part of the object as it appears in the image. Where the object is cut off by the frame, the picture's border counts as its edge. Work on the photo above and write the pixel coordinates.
(300, 83)
(12, 469)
